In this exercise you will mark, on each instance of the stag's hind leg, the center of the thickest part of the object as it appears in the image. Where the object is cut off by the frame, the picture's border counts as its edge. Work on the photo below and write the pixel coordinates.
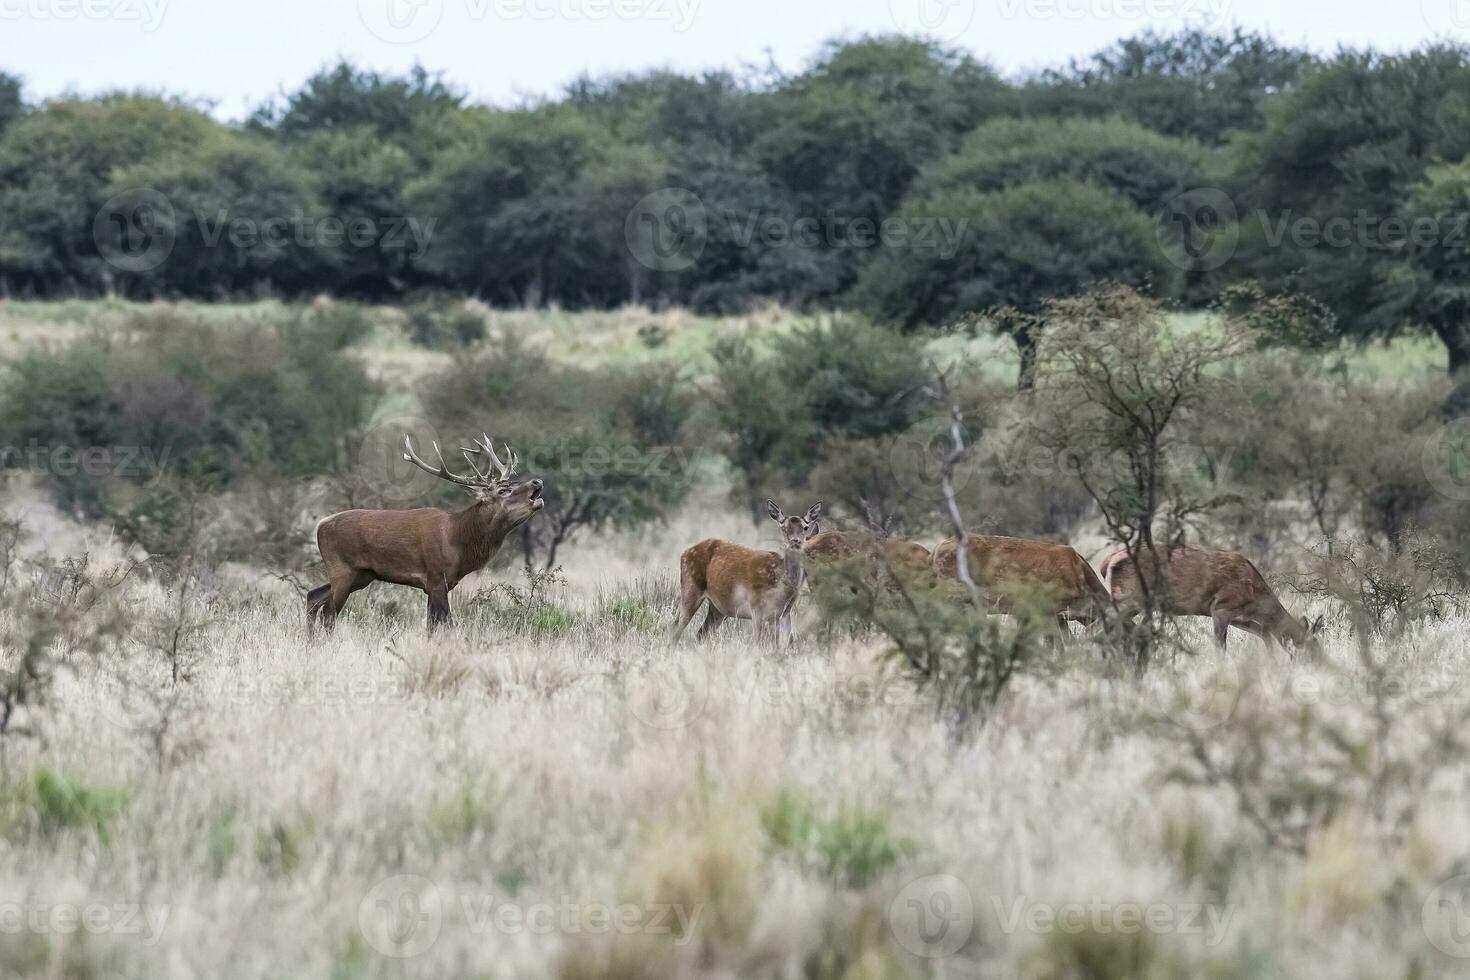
(343, 584)
(316, 600)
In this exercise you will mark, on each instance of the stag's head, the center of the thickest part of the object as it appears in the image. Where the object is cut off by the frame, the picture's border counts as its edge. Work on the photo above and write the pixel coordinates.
(506, 499)
(795, 531)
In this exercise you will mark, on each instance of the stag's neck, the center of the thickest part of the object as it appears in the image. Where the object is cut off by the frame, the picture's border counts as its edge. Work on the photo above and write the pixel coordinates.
(478, 533)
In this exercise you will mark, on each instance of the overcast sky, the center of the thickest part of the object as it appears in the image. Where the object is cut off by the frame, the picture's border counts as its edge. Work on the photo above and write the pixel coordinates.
(236, 53)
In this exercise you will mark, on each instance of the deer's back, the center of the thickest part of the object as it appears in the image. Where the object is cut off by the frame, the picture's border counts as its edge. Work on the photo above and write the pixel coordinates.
(736, 577)
(1199, 581)
(995, 561)
(838, 546)
(847, 545)
(906, 554)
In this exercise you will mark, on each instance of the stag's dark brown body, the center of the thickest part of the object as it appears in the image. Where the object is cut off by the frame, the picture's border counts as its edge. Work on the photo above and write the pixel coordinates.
(428, 549)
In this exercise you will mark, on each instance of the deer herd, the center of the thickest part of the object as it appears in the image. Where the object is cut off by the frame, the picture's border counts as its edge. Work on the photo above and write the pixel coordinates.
(433, 550)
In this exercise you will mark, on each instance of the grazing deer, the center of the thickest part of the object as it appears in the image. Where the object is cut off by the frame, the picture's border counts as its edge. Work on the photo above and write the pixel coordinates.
(1222, 585)
(428, 548)
(1055, 576)
(743, 583)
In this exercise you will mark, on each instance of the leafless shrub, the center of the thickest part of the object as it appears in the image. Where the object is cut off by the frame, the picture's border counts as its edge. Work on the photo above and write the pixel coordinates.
(65, 614)
(1117, 389)
(1386, 591)
(948, 642)
(1295, 763)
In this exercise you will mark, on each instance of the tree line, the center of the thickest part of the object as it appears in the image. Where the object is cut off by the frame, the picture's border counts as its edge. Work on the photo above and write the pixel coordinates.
(893, 175)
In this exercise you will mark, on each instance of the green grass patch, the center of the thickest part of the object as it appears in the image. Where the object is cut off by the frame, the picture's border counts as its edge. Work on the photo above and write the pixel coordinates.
(852, 846)
(53, 803)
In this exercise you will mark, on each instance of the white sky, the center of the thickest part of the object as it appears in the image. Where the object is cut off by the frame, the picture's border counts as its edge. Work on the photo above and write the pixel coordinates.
(234, 53)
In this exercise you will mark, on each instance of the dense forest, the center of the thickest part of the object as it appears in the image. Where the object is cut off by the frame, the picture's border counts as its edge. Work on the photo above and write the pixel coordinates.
(893, 176)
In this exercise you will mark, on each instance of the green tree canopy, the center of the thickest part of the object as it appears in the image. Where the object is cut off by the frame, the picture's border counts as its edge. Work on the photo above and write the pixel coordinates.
(1191, 84)
(1016, 250)
(56, 172)
(346, 97)
(1343, 155)
(505, 196)
(243, 214)
(1119, 154)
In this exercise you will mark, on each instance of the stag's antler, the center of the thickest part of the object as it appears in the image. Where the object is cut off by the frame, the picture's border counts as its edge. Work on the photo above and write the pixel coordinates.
(478, 481)
(485, 446)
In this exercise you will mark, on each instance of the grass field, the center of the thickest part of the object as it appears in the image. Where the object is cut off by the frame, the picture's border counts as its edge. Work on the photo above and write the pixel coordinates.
(627, 336)
(548, 789)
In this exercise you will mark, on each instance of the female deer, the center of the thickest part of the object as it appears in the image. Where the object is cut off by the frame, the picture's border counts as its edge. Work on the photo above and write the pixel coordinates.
(743, 583)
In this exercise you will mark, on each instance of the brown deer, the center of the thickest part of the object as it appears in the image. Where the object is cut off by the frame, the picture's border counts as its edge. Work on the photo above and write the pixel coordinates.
(1015, 570)
(834, 546)
(1222, 585)
(744, 583)
(428, 548)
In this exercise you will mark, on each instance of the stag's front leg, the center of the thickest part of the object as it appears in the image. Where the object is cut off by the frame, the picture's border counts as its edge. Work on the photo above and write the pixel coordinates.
(438, 607)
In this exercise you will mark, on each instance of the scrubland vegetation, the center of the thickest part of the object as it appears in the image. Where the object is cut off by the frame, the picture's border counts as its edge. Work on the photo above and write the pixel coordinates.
(1194, 289)
(546, 788)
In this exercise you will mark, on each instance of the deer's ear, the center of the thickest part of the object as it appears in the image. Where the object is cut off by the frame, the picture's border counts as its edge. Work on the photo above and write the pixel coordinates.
(1317, 624)
(815, 512)
(774, 511)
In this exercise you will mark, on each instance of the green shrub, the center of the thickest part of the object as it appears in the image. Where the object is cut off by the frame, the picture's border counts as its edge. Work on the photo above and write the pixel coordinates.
(59, 803)
(629, 614)
(529, 610)
(851, 847)
(175, 404)
(441, 328)
(847, 379)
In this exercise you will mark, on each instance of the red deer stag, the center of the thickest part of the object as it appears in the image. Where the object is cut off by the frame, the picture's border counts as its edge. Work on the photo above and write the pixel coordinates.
(1222, 585)
(428, 548)
(1011, 570)
(743, 583)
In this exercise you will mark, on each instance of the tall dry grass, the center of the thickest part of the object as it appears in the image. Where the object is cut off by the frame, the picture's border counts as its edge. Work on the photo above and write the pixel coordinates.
(546, 789)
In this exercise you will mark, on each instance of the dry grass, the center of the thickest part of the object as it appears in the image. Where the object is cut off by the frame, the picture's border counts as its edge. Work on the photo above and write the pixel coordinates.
(558, 794)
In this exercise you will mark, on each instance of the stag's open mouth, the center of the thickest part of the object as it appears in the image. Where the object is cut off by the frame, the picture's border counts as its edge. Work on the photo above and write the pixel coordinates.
(536, 502)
